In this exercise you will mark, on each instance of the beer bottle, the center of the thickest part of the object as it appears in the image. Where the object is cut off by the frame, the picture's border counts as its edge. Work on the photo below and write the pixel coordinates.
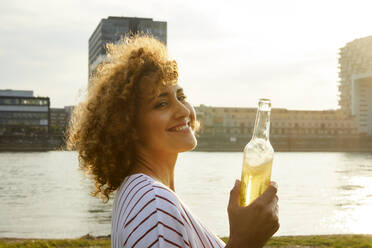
(258, 157)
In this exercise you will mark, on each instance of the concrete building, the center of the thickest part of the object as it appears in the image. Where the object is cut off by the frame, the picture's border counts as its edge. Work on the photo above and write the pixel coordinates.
(112, 29)
(235, 122)
(355, 88)
(58, 120)
(23, 114)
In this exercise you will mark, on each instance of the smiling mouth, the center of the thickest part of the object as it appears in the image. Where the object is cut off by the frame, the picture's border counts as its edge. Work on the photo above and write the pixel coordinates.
(180, 128)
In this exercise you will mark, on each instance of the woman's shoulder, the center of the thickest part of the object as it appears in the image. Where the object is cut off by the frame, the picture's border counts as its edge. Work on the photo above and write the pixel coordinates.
(143, 184)
(143, 202)
(142, 195)
(147, 211)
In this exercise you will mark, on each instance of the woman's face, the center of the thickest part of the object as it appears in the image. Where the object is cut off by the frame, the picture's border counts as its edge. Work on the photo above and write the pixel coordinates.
(164, 120)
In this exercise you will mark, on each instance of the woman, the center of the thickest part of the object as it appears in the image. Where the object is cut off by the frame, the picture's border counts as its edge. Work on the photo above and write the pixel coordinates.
(128, 133)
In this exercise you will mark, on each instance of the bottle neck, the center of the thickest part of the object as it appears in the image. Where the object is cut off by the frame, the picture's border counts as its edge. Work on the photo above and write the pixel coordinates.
(262, 125)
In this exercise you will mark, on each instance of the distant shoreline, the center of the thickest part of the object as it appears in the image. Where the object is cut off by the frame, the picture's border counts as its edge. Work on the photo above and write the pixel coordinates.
(198, 149)
(290, 144)
(224, 144)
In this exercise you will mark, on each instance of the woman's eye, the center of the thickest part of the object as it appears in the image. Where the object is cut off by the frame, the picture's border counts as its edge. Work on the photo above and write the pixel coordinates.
(182, 98)
(161, 104)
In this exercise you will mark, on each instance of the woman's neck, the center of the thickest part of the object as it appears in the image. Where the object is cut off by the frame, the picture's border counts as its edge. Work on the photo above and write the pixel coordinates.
(159, 167)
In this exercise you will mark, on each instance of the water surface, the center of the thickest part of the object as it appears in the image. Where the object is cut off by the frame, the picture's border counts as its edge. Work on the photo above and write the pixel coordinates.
(44, 195)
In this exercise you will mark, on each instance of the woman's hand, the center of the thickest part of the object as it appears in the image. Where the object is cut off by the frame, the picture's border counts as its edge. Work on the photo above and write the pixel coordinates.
(253, 225)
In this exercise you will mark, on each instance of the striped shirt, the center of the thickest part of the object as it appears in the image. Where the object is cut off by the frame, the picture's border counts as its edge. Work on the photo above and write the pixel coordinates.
(146, 213)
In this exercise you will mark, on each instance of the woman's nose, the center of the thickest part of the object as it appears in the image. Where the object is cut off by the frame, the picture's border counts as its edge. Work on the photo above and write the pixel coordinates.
(181, 110)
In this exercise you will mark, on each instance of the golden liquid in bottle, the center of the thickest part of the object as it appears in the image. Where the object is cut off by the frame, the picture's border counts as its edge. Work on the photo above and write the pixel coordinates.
(255, 180)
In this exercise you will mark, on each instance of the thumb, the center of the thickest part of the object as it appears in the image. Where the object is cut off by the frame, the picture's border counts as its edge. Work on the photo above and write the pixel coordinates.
(234, 194)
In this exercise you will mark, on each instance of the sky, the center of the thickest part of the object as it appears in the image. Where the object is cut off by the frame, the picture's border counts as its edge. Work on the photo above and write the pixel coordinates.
(229, 53)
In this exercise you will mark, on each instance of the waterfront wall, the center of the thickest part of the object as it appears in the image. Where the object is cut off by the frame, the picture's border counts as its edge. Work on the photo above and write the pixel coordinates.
(213, 143)
(31, 143)
(336, 144)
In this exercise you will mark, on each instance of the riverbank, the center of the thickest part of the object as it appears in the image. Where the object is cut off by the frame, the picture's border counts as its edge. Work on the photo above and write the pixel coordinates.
(222, 143)
(314, 241)
(289, 144)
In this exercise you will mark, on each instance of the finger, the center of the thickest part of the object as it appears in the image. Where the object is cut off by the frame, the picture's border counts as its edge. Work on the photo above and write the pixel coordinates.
(274, 184)
(275, 227)
(234, 194)
(269, 195)
(276, 209)
(275, 200)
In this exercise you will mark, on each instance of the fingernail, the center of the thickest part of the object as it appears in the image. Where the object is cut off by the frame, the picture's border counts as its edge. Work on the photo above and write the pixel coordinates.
(236, 183)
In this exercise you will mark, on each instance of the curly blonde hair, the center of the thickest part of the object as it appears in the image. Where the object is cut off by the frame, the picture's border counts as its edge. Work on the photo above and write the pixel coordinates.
(102, 126)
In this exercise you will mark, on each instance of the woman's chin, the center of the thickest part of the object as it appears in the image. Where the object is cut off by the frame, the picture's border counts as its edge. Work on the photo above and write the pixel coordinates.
(189, 146)
(192, 147)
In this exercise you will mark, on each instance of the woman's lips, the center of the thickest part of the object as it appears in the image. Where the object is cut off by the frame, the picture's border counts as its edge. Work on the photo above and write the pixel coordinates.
(180, 128)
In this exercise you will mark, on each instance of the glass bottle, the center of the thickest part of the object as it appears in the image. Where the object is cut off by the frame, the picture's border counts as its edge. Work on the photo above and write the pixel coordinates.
(258, 157)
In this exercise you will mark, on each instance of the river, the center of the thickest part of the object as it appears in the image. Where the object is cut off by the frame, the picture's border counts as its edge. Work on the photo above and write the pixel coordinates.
(44, 195)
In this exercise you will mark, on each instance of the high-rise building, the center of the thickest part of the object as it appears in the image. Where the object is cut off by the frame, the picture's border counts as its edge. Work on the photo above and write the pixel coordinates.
(112, 29)
(355, 88)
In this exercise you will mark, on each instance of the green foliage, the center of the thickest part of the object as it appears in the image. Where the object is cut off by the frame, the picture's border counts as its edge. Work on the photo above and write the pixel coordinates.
(51, 243)
(335, 241)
